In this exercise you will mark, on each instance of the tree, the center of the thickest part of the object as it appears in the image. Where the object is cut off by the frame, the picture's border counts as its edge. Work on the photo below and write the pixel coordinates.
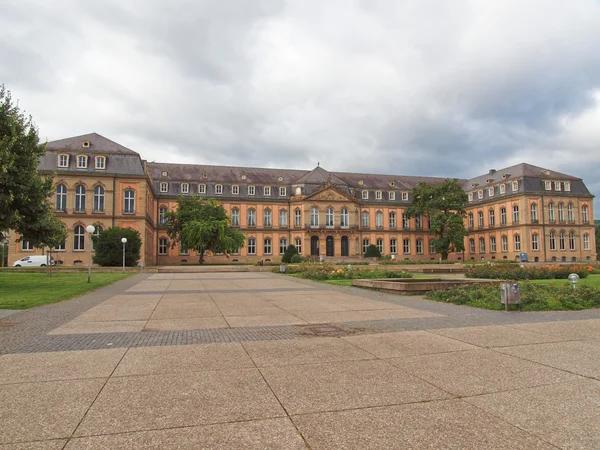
(289, 253)
(203, 225)
(445, 205)
(598, 241)
(372, 252)
(24, 195)
(109, 249)
(48, 232)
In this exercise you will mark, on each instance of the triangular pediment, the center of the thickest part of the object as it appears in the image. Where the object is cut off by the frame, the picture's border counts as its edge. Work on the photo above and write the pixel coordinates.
(330, 194)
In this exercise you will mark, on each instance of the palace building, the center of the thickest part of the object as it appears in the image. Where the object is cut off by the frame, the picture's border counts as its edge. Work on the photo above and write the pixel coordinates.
(512, 212)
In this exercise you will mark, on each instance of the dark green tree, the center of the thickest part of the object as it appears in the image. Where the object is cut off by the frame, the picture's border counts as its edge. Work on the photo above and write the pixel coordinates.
(109, 249)
(289, 253)
(372, 252)
(24, 194)
(445, 205)
(203, 225)
(598, 241)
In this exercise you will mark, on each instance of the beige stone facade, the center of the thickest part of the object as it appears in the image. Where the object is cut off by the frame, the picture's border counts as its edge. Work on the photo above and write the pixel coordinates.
(519, 210)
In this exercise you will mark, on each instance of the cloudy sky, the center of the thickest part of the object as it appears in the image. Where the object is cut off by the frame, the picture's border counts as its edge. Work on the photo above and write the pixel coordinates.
(410, 87)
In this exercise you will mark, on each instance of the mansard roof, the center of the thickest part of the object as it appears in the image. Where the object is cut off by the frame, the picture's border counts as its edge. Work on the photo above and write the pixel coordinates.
(319, 176)
(96, 142)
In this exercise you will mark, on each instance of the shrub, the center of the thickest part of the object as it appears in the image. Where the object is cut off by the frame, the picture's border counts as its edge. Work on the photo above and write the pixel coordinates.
(109, 249)
(296, 258)
(327, 272)
(516, 272)
(290, 252)
(372, 252)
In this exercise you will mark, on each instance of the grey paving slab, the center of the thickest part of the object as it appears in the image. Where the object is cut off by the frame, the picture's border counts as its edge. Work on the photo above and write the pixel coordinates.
(113, 326)
(260, 434)
(45, 410)
(566, 414)
(407, 343)
(451, 424)
(474, 372)
(183, 358)
(29, 367)
(186, 310)
(194, 323)
(303, 351)
(267, 320)
(579, 329)
(578, 357)
(55, 444)
(345, 385)
(178, 400)
(495, 336)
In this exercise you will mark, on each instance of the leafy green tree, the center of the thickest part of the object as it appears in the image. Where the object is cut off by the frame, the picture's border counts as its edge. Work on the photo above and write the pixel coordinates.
(372, 252)
(203, 225)
(48, 232)
(598, 241)
(24, 194)
(445, 205)
(289, 253)
(109, 249)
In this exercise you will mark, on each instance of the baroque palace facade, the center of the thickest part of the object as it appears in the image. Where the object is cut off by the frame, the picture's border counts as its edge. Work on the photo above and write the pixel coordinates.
(518, 210)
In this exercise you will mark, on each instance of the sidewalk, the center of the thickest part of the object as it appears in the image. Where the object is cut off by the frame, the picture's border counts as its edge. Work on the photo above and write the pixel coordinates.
(259, 360)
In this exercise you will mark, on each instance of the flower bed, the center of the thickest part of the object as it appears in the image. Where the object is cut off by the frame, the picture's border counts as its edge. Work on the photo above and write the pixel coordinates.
(327, 272)
(516, 272)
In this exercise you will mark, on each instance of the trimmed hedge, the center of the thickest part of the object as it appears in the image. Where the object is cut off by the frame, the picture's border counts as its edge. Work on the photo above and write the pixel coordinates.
(516, 272)
(327, 272)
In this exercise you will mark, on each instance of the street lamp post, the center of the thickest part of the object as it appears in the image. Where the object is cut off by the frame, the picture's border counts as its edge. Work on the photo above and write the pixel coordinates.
(124, 241)
(90, 229)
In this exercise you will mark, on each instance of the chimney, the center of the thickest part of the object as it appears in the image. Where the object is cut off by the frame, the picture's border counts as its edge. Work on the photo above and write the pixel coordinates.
(492, 171)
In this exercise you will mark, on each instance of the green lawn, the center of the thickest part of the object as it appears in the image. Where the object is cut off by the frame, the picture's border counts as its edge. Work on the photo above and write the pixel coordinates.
(590, 280)
(26, 290)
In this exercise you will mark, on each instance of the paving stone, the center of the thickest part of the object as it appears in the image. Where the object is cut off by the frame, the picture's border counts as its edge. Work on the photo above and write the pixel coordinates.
(495, 336)
(55, 444)
(260, 434)
(114, 326)
(473, 372)
(451, 424)
(345, 385)
(259, 321)
(566, 414)
(194, 323)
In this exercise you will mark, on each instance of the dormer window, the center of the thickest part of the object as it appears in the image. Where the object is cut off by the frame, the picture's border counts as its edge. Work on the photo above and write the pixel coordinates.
(218, 189)
(503, 189)
(515, 186)
(267, 191)
(480, 194)
(282, 192)
(365, 195)
(164, 187)
(100, 162)
(567, 186)
(470, 196)
(201, 189)
(378, 195)
(405, 196)
(82, 161)
(391, 195)
(557, 186)
(63, 160)
(490, 192)
(548, 185)
(235, 189)
(185, 188)
(251, 190)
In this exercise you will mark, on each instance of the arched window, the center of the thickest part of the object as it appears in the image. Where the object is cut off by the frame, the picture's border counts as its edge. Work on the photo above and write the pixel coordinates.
(129, 201)
(252, 223)
(80, 198)
(314, 216)
(561, 213)
(534, 212)
(61, 198)
(344, 218)
(235, 217)
(379, 220)
(365, 219)
(79, 238)
(551, 216)
(98, 199)
(329, 217)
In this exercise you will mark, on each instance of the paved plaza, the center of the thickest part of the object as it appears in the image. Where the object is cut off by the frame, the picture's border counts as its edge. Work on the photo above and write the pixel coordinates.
(261, 360)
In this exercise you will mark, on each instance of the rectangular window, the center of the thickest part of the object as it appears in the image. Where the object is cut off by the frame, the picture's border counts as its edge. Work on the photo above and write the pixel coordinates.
(471, 245)
(164, 187)
(470, 196)
(557, 186)
(535, 242)
(492, 244)
(185, 188)
(379, 244)
(517, 243)
(393, 246)
(405, 221)
(282, 192)
(365, 245)
(502, 216)
(235, 217)
(405, 196)
(480, 219)
(283, 218)
(267, 247)
(282, 245)
(63, 160)
(502, 189)
(267, 222)
(314, 217)
(378, 195)
(419, 246)
(586, 241)
(100, 162)
(515, 186)
(481, 245)
(490, 192)
(162, 246)
(393, 220)
(297, 218)
(515, 214)
(406, 246)
(26, 245)
(201, 189)
(391, 195)
(218, 189)
(504, 243)
(251, 217)
(251, 190)
(252, 246)
(431, 246)
(235, 189)
(567, 185)
(480, 194)
(548, 185)
(184, 251)
(418, 222)
(298, 243)
(267, 191)
(365, 195)
(82, 162)
(60, 247)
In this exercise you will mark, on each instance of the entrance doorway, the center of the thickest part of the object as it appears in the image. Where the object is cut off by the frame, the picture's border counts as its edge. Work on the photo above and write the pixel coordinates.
(329, 249)
(345, 246)
(314, 246)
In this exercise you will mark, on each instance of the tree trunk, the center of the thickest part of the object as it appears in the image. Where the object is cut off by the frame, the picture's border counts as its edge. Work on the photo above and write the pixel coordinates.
(201, 260)
(444, 255)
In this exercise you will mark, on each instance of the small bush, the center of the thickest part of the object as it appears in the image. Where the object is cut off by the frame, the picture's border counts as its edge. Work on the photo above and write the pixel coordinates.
(289, 253)
(296, 258)
(372, 252)
(327, 272)
(516, 272)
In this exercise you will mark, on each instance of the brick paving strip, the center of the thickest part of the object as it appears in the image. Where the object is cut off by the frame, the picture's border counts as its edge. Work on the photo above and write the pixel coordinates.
(26, 331)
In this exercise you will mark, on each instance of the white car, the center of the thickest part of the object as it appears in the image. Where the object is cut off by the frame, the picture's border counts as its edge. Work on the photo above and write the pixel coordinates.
(33, 261)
